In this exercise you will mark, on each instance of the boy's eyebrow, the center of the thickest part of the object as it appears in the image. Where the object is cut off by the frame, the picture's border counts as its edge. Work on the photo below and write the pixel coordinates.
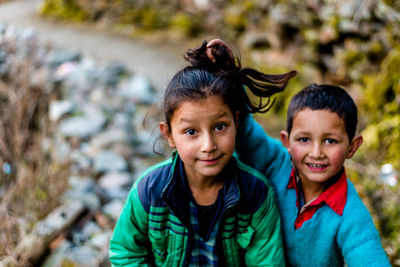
(301, 132)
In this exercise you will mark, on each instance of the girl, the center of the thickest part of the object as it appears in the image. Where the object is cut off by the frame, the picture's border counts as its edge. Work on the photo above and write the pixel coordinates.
(203, 207)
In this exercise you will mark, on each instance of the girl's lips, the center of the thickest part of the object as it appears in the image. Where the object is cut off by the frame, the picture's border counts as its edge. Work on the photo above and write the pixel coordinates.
(211, 161)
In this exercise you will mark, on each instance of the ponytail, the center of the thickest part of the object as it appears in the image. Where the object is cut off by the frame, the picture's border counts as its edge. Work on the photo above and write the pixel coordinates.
(228, 67)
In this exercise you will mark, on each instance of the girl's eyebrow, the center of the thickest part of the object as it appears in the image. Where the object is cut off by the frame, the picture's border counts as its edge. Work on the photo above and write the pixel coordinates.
(220, 115)
(223, 114)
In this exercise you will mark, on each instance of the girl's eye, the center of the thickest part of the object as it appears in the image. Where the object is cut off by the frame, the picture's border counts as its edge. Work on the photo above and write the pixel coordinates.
(330, 141)
(190, 132)
(220, 127)
(303, 139)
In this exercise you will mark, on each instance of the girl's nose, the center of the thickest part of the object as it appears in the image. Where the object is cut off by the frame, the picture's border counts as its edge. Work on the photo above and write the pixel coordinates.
(208, 143)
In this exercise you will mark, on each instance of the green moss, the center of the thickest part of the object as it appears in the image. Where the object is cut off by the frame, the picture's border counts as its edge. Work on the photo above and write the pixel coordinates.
(186, 24)
(351, 57)
(235, 18)
(64, 10)
(375, 51)
(151, 19)
(381, 101)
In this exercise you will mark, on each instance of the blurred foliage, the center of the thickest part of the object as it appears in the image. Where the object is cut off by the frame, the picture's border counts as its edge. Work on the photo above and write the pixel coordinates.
(382, 96)
(32, 185)
(62, 9)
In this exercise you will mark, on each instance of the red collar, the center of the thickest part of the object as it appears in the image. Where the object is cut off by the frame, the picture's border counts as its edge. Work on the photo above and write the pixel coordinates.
(335, 196)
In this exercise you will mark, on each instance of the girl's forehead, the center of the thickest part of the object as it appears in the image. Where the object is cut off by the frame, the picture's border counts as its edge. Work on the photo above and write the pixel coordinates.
(201, 108)
(202, 103)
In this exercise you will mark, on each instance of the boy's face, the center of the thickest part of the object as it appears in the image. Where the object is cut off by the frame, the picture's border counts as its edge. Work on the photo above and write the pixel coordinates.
(319, 144)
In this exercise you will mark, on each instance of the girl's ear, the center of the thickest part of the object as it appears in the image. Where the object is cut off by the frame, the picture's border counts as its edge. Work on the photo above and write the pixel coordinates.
(355, 143)
(285, 140)
(164, 129)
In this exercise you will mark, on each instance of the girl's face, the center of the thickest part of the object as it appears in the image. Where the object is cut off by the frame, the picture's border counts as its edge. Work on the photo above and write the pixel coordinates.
(203, 132)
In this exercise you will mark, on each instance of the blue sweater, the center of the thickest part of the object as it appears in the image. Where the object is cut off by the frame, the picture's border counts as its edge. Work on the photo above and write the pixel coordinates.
(327, 239)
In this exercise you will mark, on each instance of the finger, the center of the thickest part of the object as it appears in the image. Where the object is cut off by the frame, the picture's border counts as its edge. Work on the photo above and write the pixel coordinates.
(219, 42)
(210, 54)
(216, 42)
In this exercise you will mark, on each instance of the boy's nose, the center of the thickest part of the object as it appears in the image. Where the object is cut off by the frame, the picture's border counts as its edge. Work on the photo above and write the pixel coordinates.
(316, 151)
(208, 143)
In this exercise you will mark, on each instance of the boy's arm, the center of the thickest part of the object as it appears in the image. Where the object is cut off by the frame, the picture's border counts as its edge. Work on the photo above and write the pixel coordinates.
(266, 247)
(359, 240)
(255, 148)
(128, 245)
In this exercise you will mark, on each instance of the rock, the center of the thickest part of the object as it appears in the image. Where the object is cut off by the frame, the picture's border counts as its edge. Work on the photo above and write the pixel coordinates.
(81, 184)
(3, 56)
(82, 257)
(59, 108)
(34, 245)
(115, 179)
(108, 161)
(113, 73)
(100, 241)
(57, 256)
(83, 126)
(89, 199)
(106, 139)
(113, 209)
(29, 36)
(137, 89)
(116, 185)
(81, 163)
(140, 165)
(90, 229)
(59, 57)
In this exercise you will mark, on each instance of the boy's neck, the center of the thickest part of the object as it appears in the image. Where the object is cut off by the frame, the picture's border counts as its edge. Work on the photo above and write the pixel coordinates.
(312, 190)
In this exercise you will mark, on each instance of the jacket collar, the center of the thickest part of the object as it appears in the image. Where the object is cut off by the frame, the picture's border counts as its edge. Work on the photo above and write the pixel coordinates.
(176, 194)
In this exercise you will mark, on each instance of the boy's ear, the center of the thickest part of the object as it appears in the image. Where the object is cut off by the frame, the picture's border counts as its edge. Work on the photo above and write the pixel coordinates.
(164, 129)
(237, 116)
(355, 143)
(285, 139)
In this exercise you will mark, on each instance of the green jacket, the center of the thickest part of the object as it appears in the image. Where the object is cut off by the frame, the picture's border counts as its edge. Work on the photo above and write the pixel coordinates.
(153, 227)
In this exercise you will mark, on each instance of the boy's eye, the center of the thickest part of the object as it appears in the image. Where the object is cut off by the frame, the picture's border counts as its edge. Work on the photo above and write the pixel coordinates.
(303, 139)
(330, 141)
(190, 132)
(220, 127)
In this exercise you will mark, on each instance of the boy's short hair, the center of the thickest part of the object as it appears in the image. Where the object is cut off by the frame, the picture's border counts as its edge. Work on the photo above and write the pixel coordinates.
(325, 97)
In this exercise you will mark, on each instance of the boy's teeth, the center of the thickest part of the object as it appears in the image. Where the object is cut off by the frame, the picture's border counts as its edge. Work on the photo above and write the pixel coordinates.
(316, 165)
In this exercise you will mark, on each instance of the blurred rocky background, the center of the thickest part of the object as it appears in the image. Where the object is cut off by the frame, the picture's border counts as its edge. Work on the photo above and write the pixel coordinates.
(72, 139)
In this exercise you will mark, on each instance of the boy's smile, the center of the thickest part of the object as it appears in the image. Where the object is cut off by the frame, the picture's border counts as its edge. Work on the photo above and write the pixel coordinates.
(319, 145)
(203, 132)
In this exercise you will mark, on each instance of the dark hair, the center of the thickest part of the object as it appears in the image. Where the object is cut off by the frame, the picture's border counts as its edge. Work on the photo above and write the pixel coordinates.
(325, 97)
(224, 78)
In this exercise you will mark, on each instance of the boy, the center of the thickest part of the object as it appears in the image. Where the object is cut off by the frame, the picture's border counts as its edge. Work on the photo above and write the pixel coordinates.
(324, 222)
